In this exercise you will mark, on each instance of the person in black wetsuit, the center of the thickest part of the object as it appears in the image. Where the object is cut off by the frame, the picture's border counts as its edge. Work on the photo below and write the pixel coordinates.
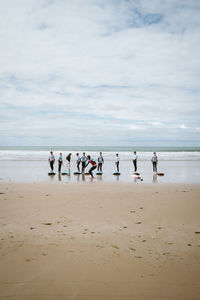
(51, 160)
(100, 162)
(83, 161)
(68, 158)
(60, 162)
(93, 163)
(135, 158)
(78, 161)
(154, 161)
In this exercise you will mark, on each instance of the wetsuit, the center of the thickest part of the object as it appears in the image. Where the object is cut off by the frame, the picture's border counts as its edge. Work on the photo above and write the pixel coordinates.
(100, 163)
(51, 161)
(78, 162)
(60, 161)
(94, 165)
(117, 164)
(83, 161)
(68, 158)
(135, 157)
(154, 162)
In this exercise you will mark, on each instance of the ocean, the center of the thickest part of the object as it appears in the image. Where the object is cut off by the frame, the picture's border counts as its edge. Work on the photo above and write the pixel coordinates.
(30, 164)
(38, 153)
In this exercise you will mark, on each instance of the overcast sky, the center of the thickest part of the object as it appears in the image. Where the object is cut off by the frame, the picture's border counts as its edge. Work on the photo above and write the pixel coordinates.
(100, 72)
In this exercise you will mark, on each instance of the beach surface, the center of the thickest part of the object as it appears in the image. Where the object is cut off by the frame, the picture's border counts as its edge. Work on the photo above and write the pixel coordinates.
(99, 241)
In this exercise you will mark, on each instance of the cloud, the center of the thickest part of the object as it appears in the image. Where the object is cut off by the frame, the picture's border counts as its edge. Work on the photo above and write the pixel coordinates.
(94, 71)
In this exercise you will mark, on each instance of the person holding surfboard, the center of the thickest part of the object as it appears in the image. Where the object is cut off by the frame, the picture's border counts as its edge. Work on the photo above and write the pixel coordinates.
(78, 161)
(93, 163)
(60, 162)
(154, 161)
(135, 158)
(83, 161)
(117, 162)
(51, 160)
(100, 162)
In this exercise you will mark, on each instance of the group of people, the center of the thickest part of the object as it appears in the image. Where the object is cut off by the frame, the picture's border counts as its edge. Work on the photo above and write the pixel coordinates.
(84, 161)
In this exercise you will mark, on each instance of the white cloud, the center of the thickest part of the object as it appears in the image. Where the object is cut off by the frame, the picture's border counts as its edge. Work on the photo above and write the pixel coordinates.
(113, 65)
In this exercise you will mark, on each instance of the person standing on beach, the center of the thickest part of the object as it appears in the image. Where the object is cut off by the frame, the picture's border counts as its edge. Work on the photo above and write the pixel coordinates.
(154, 161)
(78, 161)
(93, 163)
(135, 158)
(100, 162)
(117, 162)
(83, 162)
(68, 158)
(51, 160)
(60, 162)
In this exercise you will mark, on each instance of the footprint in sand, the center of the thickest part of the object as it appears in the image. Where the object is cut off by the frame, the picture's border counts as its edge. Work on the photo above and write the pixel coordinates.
(115, 246)
(138, 223)
(48, 223)
(31, 228)
(132, 249)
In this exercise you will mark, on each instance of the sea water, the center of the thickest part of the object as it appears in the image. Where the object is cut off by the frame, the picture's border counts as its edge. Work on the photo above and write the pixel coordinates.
(30, 164)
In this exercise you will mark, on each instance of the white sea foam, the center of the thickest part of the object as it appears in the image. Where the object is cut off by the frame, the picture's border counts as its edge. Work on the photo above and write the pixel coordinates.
(37, 155)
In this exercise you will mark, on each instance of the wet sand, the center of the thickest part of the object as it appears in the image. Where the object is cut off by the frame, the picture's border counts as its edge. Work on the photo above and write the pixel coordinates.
(99, 241)
(37, 171)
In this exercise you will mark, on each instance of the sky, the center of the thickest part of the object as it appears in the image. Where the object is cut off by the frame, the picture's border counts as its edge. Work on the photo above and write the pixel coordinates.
(100, 72)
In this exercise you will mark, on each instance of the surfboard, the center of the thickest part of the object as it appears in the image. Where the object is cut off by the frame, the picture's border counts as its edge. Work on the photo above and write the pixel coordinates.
(65, 173)
(137, 177)
(160, 174)
(99, 173)
(136, 173)
(77, 173)
(51, 173)
(87, 173)
(116, 173)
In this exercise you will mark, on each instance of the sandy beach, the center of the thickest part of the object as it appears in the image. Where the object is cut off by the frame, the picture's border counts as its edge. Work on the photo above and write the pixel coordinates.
(99, 241)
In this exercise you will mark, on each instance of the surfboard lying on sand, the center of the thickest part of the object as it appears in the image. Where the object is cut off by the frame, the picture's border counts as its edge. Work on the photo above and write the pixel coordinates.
(65, 173)
(137, 177)
(99, 173)
(136, 173)
(51, 173)
(160, 174)
(116, 173)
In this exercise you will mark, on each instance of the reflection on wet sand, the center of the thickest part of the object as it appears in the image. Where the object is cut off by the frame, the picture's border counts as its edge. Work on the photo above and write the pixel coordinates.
(99, 177)
(155, 177)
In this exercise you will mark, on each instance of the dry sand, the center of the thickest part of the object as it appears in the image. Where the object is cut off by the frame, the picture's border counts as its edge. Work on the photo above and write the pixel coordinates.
(99, 241)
